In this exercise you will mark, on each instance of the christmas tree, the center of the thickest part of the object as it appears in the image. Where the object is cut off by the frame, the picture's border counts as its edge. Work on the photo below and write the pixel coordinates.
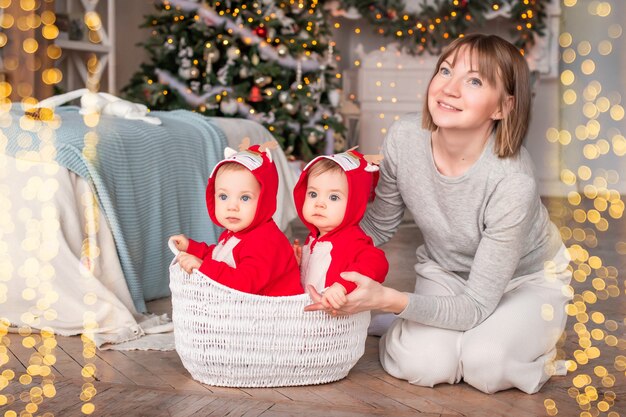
(270, 61)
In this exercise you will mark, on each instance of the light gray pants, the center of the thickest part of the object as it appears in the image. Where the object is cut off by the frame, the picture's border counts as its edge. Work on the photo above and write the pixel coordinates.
(514, 347)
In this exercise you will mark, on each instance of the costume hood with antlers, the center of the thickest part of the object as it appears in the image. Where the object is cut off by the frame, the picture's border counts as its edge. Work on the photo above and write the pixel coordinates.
(258, 259)
(258, 160)
(347, 247)
(362, 174)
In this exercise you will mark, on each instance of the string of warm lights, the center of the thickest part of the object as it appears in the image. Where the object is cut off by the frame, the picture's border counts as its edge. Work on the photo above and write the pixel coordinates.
(267, 51)
(435, 25)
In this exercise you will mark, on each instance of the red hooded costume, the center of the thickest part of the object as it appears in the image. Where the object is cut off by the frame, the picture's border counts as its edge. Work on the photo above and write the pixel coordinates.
(258, 259)
(347, 247)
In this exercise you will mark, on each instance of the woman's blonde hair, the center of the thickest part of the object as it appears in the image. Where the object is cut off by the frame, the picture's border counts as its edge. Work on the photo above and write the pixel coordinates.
(497, 59)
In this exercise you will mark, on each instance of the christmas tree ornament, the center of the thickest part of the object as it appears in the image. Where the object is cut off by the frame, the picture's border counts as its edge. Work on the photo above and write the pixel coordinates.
(282, 50)
(283, 97)
(291, 107)
(229, 106)
(195, 86)
(262, 80)
(244, 72)
(297, 8)
(255, 95)
(255, 60)
(168, 45)
(212, 55)
(289, 27)
(232, 53)
(307, 111)
(261, 32)
(194, 72)
(270, 92)
(312, 138)
(184, 73)
(268, 117)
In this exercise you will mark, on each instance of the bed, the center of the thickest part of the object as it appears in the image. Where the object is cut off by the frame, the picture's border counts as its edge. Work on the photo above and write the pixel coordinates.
(60, 261)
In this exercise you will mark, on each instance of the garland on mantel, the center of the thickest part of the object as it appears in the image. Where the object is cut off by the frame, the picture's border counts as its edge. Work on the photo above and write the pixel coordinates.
(438, 22)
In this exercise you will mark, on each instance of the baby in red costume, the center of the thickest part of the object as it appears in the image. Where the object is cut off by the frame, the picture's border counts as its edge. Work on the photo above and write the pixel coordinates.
(252, 254)
(331, 197)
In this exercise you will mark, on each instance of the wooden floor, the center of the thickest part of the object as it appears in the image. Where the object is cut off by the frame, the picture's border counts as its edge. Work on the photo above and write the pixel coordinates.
(156, 384)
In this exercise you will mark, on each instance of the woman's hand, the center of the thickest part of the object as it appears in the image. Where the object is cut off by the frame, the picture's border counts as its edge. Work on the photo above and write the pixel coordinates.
(181, 242)
(368, 295)
(188, 262)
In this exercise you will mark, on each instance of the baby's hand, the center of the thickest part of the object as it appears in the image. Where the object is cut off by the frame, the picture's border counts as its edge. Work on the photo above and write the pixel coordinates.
(297, 251)
(334, 296)
(188, 262)
(181, 242)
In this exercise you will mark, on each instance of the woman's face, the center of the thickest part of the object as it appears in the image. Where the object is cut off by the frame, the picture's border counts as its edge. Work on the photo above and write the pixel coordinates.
(459, 98)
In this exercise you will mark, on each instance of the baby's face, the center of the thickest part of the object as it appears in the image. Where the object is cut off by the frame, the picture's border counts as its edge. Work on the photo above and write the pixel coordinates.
(236, 198)
(326, 200)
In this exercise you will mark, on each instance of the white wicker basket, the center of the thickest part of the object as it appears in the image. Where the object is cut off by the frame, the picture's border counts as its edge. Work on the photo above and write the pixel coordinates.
(225, 337)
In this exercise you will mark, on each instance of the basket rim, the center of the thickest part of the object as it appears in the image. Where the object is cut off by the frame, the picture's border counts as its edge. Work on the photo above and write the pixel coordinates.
(198, 277)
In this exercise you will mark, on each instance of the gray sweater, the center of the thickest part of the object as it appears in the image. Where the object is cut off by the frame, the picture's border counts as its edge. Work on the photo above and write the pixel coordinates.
(487, 226)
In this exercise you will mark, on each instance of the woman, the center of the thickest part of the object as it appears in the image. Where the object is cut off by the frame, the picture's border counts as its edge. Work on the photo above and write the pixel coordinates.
(492, 275)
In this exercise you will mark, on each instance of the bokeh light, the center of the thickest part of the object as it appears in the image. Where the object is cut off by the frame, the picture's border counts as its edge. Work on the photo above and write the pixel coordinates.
(592, 108)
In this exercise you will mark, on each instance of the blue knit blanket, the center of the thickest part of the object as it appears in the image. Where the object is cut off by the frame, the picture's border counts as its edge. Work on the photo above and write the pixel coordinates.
(149, 181)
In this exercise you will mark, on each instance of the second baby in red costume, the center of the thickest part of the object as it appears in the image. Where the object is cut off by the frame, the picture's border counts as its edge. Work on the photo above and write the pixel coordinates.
(331, 197)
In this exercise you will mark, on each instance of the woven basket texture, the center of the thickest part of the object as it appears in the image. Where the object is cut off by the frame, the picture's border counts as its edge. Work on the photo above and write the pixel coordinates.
(228, 338)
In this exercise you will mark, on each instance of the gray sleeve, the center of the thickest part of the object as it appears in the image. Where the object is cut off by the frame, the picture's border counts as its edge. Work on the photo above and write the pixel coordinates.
(383, 216)
(507, 220)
